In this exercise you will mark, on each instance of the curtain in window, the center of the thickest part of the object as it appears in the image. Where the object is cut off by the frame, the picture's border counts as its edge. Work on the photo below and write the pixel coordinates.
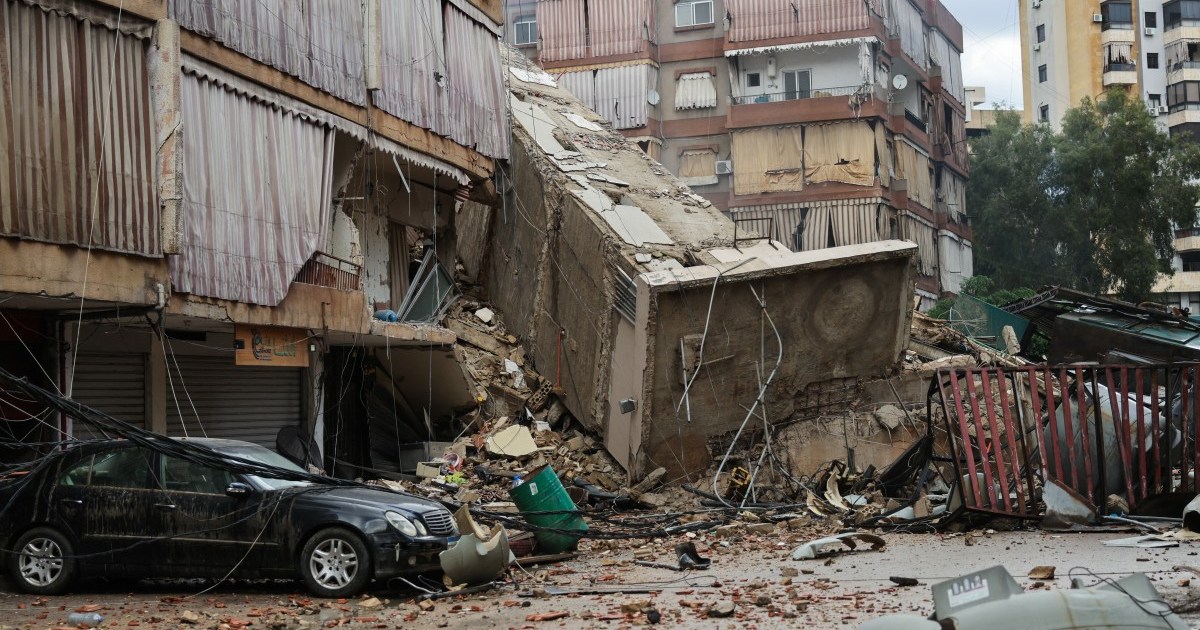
(698, 168)
(618, 27)
(913, 165)
(768, 159)
(840, 152)
(695, 90)
(761, 19)
(257, 188)
(562, 29)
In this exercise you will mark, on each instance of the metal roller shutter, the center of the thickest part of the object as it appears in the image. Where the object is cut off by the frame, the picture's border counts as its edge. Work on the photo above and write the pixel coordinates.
(234, 402)
(112, 383)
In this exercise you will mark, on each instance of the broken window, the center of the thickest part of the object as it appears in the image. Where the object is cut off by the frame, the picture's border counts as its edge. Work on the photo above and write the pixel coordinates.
(430, 294)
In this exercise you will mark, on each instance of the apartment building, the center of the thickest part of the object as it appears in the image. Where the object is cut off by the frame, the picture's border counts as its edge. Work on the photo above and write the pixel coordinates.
(202, 204)
(1074, 49)
(818, 124)
(1071, 49)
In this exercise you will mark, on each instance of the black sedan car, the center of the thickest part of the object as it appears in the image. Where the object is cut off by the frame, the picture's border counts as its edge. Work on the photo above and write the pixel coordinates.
(115, 509)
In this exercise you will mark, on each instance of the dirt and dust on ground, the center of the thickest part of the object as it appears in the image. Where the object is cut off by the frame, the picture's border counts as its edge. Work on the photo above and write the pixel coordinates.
(750, 522)
(753, 582)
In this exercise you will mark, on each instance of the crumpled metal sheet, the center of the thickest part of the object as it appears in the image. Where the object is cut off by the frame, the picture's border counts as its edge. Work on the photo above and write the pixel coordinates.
(480, 556)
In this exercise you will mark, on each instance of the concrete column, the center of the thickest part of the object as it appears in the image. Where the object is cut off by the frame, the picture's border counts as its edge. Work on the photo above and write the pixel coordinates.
(164, 66)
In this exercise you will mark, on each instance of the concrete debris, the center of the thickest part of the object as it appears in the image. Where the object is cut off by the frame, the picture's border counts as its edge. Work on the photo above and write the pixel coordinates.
(722, 610)
(890, 416)
(1152, 541)
(1042, 572)
(485, 315)
(533, 76)
(815, 548)
(581, 122)
(515, 441)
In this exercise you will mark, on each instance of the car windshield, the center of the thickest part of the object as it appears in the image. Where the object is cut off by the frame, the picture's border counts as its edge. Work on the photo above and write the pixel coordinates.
(266, 456)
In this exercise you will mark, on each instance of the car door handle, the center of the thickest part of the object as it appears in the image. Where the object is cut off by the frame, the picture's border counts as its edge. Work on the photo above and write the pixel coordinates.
(166, 507)
(71, 501)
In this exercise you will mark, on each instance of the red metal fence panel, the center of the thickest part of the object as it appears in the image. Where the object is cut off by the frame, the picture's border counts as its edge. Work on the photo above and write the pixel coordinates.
(1095, 431)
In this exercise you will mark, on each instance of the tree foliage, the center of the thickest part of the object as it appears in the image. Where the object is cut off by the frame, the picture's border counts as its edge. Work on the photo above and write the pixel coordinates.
(1092, 207)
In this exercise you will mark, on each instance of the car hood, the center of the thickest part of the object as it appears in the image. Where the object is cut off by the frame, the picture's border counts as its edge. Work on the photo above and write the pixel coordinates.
(366, 497)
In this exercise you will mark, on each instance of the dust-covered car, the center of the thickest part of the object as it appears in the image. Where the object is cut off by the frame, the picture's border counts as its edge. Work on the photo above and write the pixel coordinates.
(115, 509)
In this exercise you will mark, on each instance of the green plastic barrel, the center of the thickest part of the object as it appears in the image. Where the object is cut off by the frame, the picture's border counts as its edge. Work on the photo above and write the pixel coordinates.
(543, 492)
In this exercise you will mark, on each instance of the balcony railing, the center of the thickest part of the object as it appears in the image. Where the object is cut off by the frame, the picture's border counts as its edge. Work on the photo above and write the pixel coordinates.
(1186, 232)
(915, 121)
(1120, 67)
(799, 95)
(1184, 65)
(324, 270)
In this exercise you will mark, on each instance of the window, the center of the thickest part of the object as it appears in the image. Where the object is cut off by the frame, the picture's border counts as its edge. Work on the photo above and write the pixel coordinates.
(1154, 101)
(753, 79)
(123, 468)
(1041, 33)
(1181, 13)
(1117, 15)
(181, 475)
(693, 13)
(795, 84)
(1152, 61)
(77, 475)
(1042, 73)
(525, 30)
(1044, 113)
(698, 167)
(1183, 95)
(1150, 20)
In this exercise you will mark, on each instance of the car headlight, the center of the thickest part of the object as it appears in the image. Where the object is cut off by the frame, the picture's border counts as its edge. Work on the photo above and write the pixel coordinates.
(406, 526)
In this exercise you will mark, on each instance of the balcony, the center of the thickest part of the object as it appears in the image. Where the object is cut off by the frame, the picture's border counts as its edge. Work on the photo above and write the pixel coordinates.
(812, 105)
(1187, 240)
(1119, 74)
(1181, 71)
(323, 270)
(797, 95)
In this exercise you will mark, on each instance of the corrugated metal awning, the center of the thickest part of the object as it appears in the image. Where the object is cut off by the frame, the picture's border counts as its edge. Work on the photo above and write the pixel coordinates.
(695, 90)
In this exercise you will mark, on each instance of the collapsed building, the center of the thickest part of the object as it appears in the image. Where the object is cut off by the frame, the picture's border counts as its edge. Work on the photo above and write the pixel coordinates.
(668, 324)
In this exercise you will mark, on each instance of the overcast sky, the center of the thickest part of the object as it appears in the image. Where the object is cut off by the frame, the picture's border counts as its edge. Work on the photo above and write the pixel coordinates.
(992, 55)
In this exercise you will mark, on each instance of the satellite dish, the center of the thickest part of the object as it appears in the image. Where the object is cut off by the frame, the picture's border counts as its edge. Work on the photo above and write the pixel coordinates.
(899, 81)
(653, 97)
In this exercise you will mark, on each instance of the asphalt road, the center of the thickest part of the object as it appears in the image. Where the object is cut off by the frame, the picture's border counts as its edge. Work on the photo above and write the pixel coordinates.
(754, 573)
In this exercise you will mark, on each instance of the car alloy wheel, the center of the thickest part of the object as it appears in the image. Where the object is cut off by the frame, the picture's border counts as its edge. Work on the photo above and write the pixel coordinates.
(334, 563)
(42, 562)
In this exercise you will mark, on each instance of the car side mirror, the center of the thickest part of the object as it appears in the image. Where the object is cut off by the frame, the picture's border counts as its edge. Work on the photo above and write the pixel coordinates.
(237, 489)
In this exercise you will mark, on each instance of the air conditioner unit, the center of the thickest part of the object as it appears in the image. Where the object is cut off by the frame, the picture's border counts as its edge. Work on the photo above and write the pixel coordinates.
(1037, 47)
(1097, 17)
(724, 167)
(1149, 31)
(1037, 4)
(1163, 109)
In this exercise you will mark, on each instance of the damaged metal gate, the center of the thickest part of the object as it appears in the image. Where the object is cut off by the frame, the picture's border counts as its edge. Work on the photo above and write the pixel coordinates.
(1088, 431)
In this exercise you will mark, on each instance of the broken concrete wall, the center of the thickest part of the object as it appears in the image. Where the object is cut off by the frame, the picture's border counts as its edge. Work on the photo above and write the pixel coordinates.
(512, 271)
(840, 313)
(547, 274)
